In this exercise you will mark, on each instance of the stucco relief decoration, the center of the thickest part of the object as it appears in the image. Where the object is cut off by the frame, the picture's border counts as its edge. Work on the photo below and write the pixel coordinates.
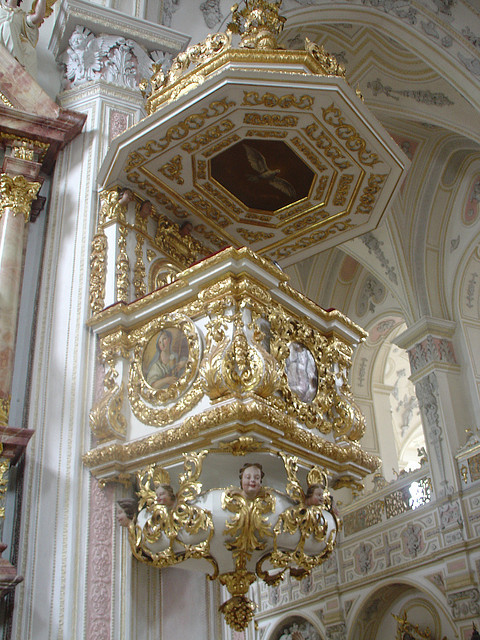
(432, 349)
(471, 210)
(464, 603)
(363, 558)
(211, 13)
(114, 59)
(373, 293)
(297, 629)
(412, 540)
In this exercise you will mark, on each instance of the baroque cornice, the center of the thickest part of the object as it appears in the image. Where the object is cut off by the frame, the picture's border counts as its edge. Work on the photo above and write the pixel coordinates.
(103, 19)
(130, 97)
(426, 326)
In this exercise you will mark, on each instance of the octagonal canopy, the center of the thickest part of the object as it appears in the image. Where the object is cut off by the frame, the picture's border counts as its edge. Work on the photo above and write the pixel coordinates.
(262, 149)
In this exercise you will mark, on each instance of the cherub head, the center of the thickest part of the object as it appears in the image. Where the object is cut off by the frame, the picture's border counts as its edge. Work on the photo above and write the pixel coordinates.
(78, 38)
(251, 476)
(314, 495)
(146, 209)
(126, 510)
(165, 495)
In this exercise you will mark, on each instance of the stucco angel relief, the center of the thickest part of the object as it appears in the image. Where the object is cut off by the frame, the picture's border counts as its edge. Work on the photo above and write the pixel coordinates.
(82, 59)
(111, 58)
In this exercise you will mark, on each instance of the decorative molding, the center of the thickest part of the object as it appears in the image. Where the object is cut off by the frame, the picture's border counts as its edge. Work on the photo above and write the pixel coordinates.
(100, 564)
(97, 18)
(17, 194)
(464, 604)
(431, 350)
(337, 631)
(427, 394)
(437, 327)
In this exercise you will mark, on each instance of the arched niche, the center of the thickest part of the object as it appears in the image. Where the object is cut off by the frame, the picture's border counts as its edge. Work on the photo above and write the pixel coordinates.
(295, 627)
(374, 617)
(381, 386)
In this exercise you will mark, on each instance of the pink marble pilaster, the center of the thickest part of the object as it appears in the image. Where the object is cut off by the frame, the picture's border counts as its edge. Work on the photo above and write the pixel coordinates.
(100, 563)
(16, 196)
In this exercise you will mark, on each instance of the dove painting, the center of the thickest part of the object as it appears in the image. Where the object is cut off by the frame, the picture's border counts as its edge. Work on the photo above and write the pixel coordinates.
(264, 175)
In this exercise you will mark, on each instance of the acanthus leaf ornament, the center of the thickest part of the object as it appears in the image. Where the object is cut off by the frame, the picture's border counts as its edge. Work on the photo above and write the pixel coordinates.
(247, 530)
(17, 193)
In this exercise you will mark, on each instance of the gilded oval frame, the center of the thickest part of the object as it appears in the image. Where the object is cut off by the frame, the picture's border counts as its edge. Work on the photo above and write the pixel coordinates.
(184, 342)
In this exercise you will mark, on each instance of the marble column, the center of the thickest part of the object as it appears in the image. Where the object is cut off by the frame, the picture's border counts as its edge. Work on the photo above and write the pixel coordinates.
(17, 193)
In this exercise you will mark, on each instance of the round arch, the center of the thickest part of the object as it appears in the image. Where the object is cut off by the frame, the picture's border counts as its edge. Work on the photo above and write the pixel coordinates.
(303, 622)
(371, 616)
(381, 386)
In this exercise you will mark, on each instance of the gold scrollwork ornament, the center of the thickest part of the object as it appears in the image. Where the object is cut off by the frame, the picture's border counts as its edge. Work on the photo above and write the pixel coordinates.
(170, 523)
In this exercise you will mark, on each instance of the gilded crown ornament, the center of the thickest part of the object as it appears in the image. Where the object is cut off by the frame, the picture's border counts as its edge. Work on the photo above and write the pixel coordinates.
(259, 23)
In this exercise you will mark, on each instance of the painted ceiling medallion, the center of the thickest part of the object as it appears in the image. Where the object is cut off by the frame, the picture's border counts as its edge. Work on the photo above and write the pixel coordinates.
(260, 146)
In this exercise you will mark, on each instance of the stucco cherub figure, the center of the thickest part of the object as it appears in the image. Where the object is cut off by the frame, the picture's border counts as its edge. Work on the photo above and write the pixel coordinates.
(165, 495)
(126, 511)
(19, 30)
(251, 476)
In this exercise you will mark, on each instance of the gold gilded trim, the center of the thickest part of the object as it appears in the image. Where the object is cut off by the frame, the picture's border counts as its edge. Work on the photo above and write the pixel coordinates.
(30, 144)
(144, 398)
(98, 271)
(4, 411)
(354, 142)
(122, 265)
(209, 135)
(6, 101)
(17, 194)
(173, 169)
(253, 99)
(245, 412)
(368, 197)
(177, 132)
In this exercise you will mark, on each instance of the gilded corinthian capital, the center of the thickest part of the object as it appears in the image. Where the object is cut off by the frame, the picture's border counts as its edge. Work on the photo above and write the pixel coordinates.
(17, 193)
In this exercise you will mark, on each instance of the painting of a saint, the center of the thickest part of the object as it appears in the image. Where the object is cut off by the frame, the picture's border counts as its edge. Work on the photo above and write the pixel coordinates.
(165, 358)
(301, 372)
